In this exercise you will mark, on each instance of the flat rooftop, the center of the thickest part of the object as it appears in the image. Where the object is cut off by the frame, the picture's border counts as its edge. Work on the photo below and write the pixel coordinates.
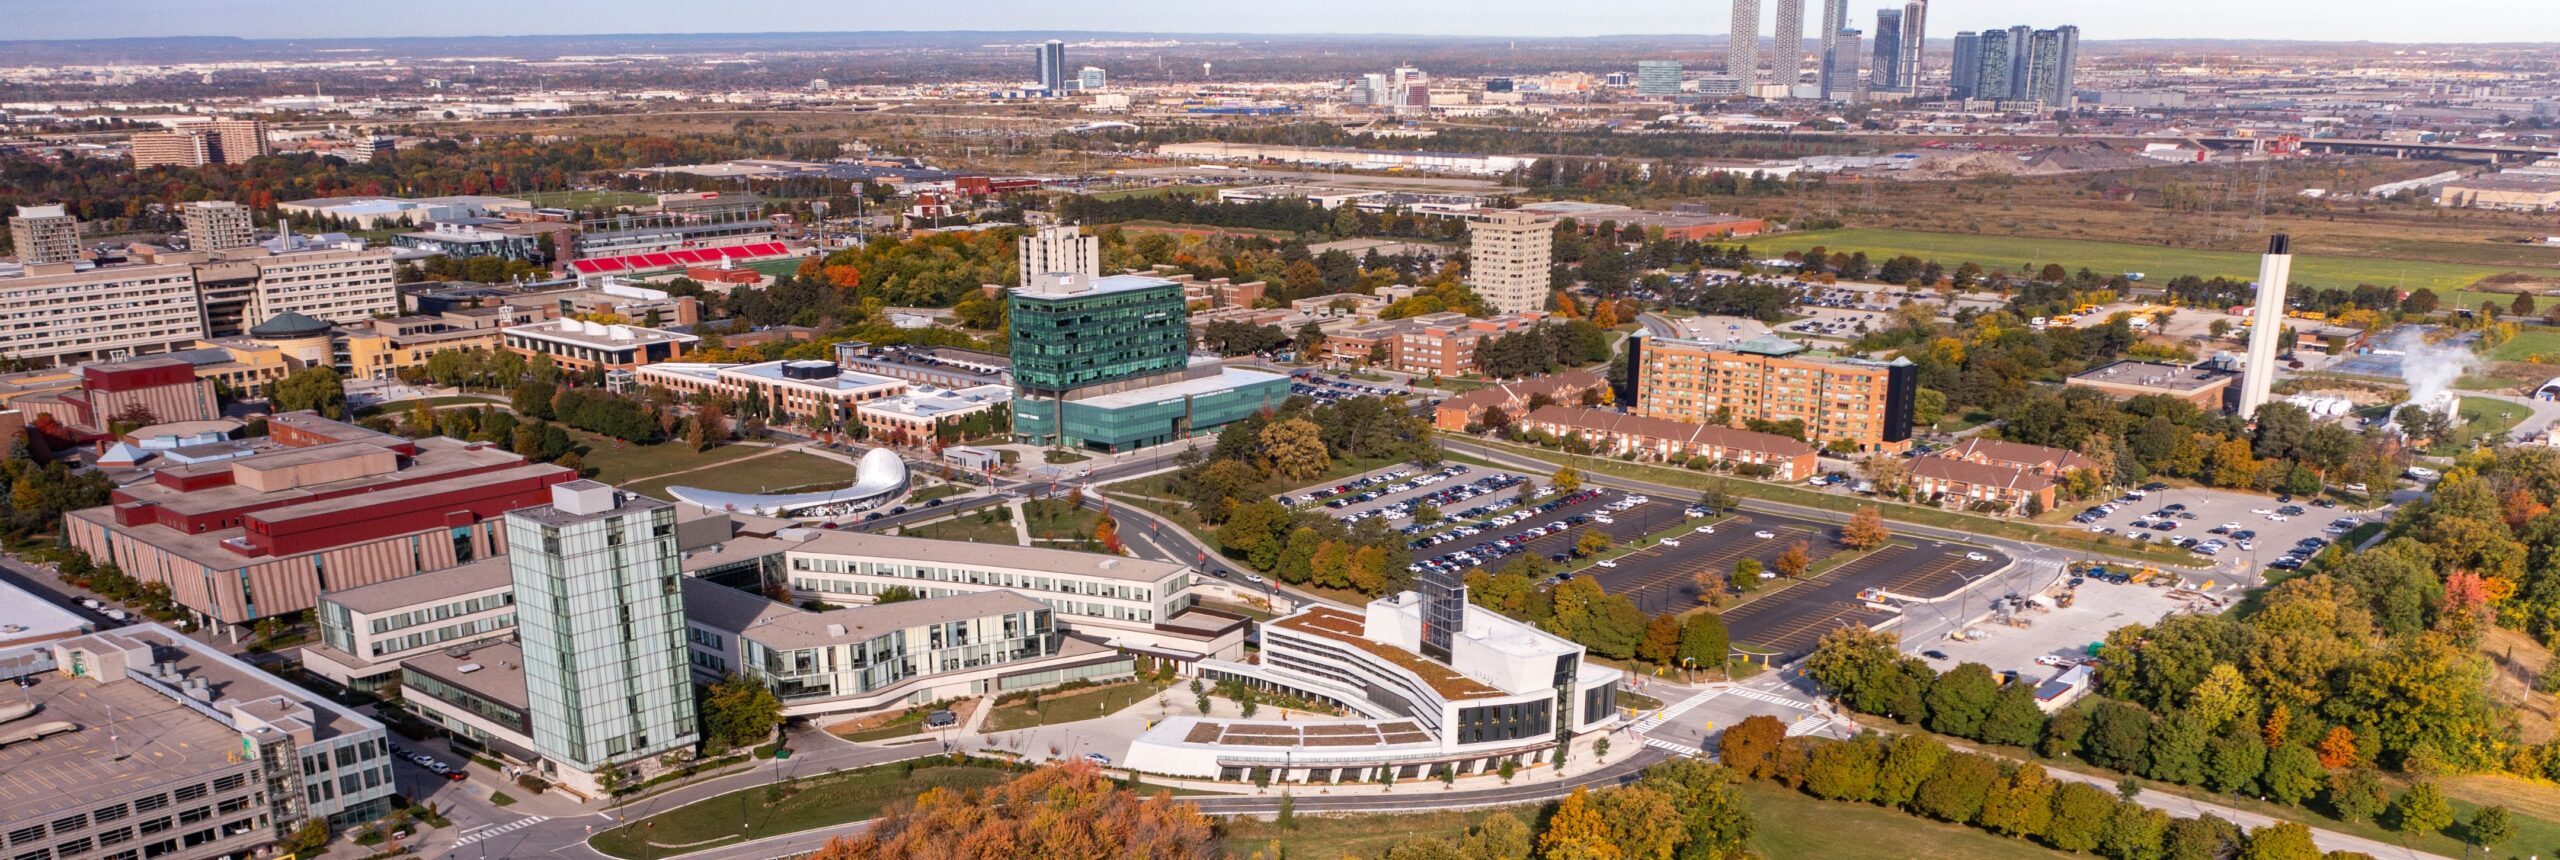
(927, 551)
(937, 402)
(1050, 287)
(496, 670)
(598, 335)
(2157, 376)
(785, 627)
(26, 619)
(434, 586)
(1344, 627)
(1227, 379)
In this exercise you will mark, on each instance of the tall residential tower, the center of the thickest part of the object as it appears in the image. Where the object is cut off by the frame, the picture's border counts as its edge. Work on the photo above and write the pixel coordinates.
(1788, 65)
(1742, 46)
(600, 610)
(1053, 66)
(1509, 253)
(1915, 35)
(45, 234)
(1058, 248)
(1886, 75)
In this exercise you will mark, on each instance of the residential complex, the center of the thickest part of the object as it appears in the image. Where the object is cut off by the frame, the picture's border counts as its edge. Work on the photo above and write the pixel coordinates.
(244, 530)
(1862, 403)
(1105, 363)
(144, 743)
(1442, 344)
(1058, 248)
(1513, 399)
(44, 234)
(221, 141)
(1992, 475)
(1615, 433)
(217, 225)
(1509, 253)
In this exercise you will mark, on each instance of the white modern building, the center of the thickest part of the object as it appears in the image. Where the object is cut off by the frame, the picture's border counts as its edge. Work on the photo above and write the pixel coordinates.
(1506, 691)
(365, 632)
(878, 478)
(1146, 606)
(1058, 248)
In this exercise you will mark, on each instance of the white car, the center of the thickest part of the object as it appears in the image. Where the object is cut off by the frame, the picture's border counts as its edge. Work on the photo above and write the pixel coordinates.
(1705, 530)
(1670, 541)
(1603, 519)
(1098, 759)
(1606, 562)
(2262, 511)
(1764, 534)
(2230, 527)
(1975, 556)
(2277, 518)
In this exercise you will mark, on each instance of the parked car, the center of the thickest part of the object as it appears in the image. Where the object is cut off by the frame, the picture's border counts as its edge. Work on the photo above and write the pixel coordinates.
(1975, 556)
(1934, 654)
(1764, 534)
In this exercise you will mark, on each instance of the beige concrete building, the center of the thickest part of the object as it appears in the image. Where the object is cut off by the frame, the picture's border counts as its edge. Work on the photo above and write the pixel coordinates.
(578, 345)
(332, 285)
(2497, 191)
(45, 234)
(171, 149)
(235, 141)
(365, 632)
(217, 225)
(56, 314)
(791, 390)
(1509, 253)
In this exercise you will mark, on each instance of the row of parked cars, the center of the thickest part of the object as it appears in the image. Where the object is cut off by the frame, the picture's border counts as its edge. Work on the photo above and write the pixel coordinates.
(1338, 495)
(429, 762)
(1510, 544)
(1441, 498)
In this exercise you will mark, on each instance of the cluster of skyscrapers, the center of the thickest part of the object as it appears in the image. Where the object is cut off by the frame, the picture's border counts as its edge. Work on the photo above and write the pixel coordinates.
(1056, 78)
(1409, 87)
(2016, 64)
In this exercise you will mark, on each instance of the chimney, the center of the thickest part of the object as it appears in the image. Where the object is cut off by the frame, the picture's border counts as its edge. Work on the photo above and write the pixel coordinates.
(2275, 273)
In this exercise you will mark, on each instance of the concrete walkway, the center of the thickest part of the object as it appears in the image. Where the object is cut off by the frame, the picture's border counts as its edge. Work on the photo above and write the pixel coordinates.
(1021, 522)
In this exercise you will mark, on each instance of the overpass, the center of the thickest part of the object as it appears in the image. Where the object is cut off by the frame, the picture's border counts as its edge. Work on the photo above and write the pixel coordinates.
(2491, 153)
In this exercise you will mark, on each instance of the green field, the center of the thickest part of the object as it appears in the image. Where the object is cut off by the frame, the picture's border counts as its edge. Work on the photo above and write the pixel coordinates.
(2483, 418)
(776, 267)
(771, 473)
(969, 527)
(1791, 826)
(804, 805)
(1071, 706)
(2527, 344)
(587, 199)
(2156, 263)
(619, 463)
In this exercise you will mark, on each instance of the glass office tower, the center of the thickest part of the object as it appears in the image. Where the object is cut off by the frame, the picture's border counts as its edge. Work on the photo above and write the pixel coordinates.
(600, 615)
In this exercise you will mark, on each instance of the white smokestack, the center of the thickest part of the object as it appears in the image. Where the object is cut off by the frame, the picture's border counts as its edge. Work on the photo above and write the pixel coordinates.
(2275, 271)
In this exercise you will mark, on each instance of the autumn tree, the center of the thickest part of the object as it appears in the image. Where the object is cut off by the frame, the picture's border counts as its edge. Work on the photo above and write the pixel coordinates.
(1567, 479)
(1866, 529)
(1748, 746)
(1746, 575)
(1106, 531)
(1661, 643)
(1068, 810)
(1793, 563)
(738, 711)
(2421, 810)
(1591, 542)
(1577, 831)
(1294, 449)
(2338, 748)
(2356, 794)
(2283, 840)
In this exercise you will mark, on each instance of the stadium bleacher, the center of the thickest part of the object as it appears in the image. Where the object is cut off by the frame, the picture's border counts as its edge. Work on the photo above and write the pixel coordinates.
(629, 263)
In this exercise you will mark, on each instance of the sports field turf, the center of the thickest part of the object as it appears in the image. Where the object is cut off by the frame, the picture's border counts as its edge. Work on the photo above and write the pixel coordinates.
(2156, 263)
(586, 199)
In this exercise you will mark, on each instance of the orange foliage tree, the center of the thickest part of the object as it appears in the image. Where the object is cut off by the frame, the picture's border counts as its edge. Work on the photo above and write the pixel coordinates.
(1061, 812)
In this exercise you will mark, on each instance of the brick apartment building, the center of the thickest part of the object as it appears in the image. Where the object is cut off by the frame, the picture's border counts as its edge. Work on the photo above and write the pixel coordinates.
(1862, 402)
(1458, 413)
(1613, 433)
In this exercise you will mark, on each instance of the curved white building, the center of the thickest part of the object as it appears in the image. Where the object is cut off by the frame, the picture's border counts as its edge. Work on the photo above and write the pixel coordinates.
(878, 478)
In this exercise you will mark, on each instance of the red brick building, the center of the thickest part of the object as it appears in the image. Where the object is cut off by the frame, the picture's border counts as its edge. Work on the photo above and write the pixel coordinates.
(1613, 433)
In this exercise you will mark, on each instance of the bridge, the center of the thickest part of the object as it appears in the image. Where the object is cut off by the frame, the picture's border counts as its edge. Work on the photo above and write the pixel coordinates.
(2491, 153)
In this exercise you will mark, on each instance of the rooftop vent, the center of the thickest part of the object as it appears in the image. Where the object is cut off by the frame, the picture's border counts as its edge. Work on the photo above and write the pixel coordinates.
(467, 668)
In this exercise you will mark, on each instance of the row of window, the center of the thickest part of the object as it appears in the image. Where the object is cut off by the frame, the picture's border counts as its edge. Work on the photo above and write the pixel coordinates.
(440, 612)
(998, 578)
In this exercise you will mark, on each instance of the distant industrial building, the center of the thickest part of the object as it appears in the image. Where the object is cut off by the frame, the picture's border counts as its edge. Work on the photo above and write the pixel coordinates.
(371, 213)
(2208, 387)
(221, 141)
(1357, 159)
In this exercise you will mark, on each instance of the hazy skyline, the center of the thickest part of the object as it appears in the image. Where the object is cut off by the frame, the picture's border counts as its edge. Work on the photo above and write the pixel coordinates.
(2339, 20)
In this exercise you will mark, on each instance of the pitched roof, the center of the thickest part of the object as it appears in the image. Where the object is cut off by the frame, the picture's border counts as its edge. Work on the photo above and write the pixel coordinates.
(1694, 435)
(1997, 451)
(1979, 474)
(1509, 393)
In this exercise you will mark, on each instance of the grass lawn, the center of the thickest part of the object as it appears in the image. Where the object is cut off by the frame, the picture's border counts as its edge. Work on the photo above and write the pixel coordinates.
(1791, 826)
(2484, 418)
(771, 473)
(618, 463)
(2156, 263)
(1054, 519)
(1329, 836)
(937, 491)
(805, 804)
(1202, 229)
(587, 199)
(776, 267)
(1157, 191)
(2527, 344)
(402, 407)
(1070, 706)
(971, 528)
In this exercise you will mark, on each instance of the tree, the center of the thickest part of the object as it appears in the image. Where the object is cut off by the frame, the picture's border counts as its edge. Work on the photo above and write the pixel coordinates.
(2489, 826)
(1960, 700)
(1577, 831)
(308, 838)
(2080, 813)
(896, 594)
(2023, 804)
(318, 389)
(1845, 770)
(2356, 794)
(2292, 775)
(1567, 479)
(1661, 642)
(2119, 735)
(2422, 809)
(1746, 575)
(2338, 747)
(1294, 449)
(2134, 832)
(2014, 718)
(1793, 563)
(739, 711)
(1748, 746)
(1957, 791)
(1704, 642)
(2204, 837)
(1866, 529)
(2175, 752)
(1500, 837)
(1591, 542)
(1643, 822)
(1066, 810)
(2234, 761)
(1908, 762)
(2283, 840)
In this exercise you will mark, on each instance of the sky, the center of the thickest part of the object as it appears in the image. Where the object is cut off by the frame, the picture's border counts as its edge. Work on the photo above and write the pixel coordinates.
(2336, 20)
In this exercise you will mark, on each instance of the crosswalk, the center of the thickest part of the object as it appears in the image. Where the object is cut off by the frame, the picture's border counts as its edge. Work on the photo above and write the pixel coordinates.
(1667, 714)
(1771, 698)
(509, 827)
(1808, 725)
(1673, 747)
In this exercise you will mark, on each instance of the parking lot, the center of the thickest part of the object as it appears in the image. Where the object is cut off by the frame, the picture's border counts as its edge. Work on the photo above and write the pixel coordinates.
(2270, 526)
(1907, 573)
(1334, 387)
(2065, 632)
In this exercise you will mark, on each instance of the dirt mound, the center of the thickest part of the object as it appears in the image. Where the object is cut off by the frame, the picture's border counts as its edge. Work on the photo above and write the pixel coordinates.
(2517, 282)
(2080, 157)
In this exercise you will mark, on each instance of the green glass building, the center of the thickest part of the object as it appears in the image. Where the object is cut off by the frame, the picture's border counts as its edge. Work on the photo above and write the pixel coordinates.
(1105, 364)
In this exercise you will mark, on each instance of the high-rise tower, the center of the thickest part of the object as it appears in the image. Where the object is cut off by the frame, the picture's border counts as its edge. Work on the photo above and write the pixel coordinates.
(1742, 46)
(2275, 271)
(45, 234)
(1886, 74)
(1835, 18)
(1058, 248)
(1915, 29)
(1967, 65)
(1053, 66)
(600, 617)
(1788, 65)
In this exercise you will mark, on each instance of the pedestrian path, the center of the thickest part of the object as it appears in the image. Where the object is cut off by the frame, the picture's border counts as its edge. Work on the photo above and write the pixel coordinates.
(1771, 698)
(1675, 710)
(1810, 724)
(1673, 747)
(509, 827)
